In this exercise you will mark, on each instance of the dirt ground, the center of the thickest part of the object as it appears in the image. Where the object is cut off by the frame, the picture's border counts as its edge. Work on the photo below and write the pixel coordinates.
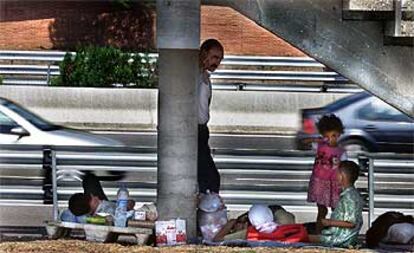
(77, 246)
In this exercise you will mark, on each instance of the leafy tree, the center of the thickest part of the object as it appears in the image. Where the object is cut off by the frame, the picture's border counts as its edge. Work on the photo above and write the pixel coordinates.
(107, 67)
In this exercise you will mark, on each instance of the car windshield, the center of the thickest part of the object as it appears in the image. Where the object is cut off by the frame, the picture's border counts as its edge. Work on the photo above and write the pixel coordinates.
(345, 101)
(378, 110)
(31, 117)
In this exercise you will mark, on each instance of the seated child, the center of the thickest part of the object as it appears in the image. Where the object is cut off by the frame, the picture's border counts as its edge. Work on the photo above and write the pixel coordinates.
(346, 219)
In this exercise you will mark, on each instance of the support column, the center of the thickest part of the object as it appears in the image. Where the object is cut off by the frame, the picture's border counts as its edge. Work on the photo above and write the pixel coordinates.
(178, 38)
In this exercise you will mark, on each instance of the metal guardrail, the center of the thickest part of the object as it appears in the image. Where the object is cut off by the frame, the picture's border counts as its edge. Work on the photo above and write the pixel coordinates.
(327, 87)
(62, 162)
(266, 75)
(29, 70)
(45, 56)
(271, 61)
(223, 79)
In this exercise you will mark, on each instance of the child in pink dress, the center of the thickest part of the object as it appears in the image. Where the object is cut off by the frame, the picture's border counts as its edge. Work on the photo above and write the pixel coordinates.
(323, 187)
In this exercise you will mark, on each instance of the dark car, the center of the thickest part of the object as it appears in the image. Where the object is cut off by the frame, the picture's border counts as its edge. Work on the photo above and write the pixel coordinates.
(370, 125)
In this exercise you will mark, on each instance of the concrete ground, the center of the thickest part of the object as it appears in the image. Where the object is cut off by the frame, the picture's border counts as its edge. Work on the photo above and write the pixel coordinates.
(76, 246)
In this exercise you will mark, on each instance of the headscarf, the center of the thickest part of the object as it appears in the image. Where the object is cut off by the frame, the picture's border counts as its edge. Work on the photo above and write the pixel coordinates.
(261, 217)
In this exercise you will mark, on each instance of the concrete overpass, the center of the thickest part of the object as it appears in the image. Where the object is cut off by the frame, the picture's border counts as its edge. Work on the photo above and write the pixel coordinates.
(368, 41)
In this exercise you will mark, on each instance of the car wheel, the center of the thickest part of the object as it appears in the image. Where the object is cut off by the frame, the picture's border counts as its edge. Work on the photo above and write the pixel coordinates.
(355, 146)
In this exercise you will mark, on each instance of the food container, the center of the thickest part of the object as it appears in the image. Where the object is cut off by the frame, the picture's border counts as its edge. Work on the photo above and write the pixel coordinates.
(172, 232)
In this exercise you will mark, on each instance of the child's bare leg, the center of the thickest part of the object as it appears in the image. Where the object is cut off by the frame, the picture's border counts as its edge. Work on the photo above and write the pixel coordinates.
(322, 212)
(314, 238)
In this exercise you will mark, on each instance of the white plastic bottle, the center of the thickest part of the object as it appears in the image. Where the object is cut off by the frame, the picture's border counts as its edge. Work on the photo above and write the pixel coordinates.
(121, 207)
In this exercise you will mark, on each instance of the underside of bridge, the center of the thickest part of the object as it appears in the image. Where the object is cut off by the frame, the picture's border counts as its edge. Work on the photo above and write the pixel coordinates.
(368, 41)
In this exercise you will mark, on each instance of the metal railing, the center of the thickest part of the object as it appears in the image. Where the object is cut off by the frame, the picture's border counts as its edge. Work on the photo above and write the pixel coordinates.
(289, 171)
(223, 79)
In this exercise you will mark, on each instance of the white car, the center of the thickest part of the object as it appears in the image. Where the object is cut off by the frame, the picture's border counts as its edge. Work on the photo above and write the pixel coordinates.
(20, 126)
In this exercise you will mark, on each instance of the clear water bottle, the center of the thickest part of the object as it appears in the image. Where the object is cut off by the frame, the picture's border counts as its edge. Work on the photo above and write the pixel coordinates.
(121, 207)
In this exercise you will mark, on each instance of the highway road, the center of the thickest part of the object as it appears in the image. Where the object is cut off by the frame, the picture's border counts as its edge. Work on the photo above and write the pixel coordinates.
(217, 140)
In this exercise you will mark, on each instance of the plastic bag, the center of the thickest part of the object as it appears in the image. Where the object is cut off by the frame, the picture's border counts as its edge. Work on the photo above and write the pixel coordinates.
(210, 202)
(211, 223)
(212, 215)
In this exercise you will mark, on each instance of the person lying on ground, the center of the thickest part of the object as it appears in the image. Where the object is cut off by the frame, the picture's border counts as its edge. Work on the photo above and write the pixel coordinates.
(237, 228)
(93, 200)
(391, 227)
(342, 229)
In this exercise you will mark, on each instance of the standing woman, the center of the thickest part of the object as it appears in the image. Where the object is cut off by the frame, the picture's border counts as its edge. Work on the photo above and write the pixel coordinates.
(211, 54)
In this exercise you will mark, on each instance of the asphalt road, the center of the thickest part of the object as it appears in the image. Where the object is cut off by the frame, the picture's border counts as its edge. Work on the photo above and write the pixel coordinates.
(231, 141)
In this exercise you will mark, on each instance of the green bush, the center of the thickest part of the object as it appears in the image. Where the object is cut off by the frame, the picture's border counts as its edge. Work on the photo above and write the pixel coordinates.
(1, 80)
(107, 67)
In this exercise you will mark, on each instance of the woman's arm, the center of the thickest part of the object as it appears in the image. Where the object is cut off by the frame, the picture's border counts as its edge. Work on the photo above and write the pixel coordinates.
(337, 223)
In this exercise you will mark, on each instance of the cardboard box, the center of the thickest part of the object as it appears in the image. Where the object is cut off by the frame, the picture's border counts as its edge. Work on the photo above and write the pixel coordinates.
(181, 232)
(172, 232)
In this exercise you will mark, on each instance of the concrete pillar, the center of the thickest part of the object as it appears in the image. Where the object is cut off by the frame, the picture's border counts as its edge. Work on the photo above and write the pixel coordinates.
(178, 38)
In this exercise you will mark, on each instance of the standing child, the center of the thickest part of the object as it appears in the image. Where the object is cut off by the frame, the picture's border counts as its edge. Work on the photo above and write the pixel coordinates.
(323, 186)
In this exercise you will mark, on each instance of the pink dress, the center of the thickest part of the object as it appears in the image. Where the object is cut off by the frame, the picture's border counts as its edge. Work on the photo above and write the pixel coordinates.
(323, 186)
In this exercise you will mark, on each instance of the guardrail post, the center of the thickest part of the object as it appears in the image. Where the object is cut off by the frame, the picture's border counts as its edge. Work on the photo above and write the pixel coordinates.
(48, 75)
(367, 165)
(371, 190)
(50, 181)
(47, 180)
(54, 187)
